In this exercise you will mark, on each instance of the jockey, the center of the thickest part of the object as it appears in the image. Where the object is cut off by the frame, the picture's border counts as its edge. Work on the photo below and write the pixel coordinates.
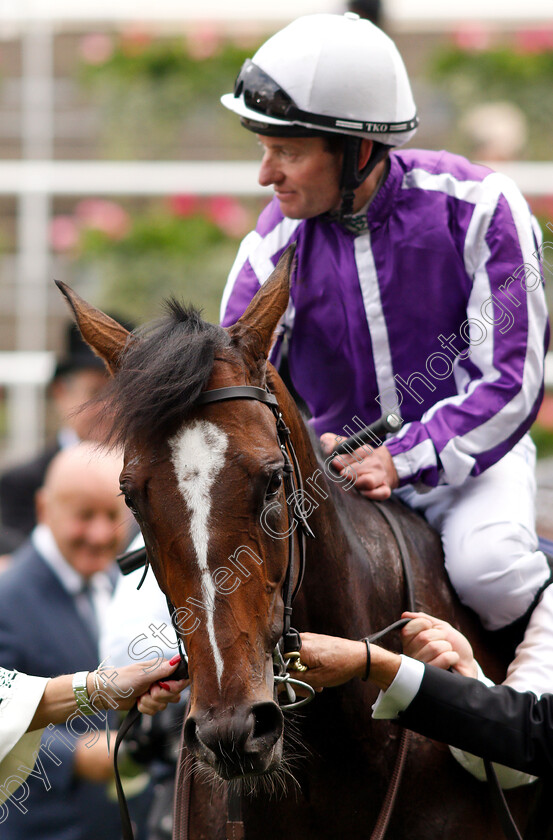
(417, 288)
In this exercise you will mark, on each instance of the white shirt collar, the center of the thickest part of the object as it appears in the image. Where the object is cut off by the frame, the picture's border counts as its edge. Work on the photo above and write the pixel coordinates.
(44, 542)
(73, 582)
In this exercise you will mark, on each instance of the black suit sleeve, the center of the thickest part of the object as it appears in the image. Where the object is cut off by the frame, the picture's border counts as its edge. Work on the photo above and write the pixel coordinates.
(18, 486)
(498, 723)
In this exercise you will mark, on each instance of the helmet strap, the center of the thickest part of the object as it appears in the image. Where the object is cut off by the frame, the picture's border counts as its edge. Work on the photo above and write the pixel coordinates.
(352, 176)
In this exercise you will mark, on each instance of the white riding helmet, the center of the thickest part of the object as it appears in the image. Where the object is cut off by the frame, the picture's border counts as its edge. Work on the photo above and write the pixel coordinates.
(330, 73)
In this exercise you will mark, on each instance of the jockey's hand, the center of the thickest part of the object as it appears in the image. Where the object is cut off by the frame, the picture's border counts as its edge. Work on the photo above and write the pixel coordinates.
(372, 470)
(436, 642)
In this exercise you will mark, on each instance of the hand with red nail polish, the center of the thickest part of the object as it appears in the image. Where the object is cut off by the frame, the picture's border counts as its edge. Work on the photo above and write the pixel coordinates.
(148, 683)
(162, 691)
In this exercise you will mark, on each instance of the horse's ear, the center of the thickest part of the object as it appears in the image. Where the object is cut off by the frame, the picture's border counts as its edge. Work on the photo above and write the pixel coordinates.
(106, 336)
(257, 325)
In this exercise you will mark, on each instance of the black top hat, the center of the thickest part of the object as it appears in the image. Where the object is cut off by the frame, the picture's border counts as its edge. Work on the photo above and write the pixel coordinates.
(78, 355)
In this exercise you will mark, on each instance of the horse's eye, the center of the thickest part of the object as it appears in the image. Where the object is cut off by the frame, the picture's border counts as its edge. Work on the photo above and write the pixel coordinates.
(129, 502)
(130, 505)
(274, 484)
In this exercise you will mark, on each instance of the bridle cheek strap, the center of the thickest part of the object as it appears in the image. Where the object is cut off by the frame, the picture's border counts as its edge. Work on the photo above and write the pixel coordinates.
(293, 493)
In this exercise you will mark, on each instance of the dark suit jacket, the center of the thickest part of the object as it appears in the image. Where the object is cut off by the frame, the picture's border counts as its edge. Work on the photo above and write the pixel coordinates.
(18, 486)
(498, 723)
(41, 633)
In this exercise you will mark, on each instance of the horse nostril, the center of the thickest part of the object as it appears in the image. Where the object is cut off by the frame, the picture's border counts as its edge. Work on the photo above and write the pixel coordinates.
(235, 741)
(191, 734)
(268, 722)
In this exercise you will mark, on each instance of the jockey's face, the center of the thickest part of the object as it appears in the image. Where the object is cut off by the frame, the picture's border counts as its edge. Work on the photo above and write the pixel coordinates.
(304, 173)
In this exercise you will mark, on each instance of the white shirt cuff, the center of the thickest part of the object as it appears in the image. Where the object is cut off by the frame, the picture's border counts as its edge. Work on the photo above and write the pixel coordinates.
(402, 690)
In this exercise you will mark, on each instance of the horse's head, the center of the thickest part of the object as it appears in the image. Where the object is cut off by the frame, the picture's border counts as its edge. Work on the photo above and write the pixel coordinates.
(198, 477)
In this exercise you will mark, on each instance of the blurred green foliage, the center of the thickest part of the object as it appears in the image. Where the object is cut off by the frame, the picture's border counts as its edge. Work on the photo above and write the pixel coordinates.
(543, 438)
(132, 258)
(159, 98)
(162, 255)
(158, 61)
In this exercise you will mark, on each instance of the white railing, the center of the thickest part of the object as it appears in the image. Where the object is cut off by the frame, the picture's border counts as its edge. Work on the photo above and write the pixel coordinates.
(201, 177)
(54, 178)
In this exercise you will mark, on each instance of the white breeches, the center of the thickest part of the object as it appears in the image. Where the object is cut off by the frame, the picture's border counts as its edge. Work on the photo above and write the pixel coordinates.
(488, 533)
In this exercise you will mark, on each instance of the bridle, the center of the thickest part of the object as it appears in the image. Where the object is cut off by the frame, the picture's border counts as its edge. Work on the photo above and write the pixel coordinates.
(286, 655)
(289, 645)
(287, 650)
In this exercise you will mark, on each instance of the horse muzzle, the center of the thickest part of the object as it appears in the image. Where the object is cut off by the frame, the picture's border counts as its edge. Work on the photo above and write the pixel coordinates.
(239, 741)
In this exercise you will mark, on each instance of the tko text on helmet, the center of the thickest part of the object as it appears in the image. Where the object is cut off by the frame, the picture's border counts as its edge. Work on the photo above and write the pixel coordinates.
(377, 128)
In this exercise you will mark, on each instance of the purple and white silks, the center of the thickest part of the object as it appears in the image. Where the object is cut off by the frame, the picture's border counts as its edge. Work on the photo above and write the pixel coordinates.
(438, 309)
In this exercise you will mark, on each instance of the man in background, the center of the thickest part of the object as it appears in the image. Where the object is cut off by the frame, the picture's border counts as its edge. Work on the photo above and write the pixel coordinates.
(52, 600)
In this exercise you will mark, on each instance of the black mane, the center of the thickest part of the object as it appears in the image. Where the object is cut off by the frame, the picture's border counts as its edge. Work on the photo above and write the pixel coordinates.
(162, 373)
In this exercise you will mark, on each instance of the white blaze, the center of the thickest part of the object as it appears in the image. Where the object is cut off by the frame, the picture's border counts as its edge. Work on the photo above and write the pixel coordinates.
(198, 456)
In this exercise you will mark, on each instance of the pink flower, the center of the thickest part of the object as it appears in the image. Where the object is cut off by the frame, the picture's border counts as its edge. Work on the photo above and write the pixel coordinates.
(545, 414)
(106, 216)
(204, 41)
(472, 36)
(228, 214)
(184, 205)
(534, 40)
(542, 206)
(96, 48)
(64, 233)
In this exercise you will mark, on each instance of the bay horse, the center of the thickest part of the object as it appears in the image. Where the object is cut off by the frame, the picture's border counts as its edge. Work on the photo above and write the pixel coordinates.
(205, 482)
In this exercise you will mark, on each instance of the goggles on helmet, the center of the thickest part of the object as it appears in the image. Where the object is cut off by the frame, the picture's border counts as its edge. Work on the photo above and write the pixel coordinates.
(262, 94)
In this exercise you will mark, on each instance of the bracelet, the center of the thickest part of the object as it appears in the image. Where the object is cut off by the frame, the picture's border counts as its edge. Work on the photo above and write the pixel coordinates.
(97, 690)
(80, 691)
(368, 665)
(96, 699)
